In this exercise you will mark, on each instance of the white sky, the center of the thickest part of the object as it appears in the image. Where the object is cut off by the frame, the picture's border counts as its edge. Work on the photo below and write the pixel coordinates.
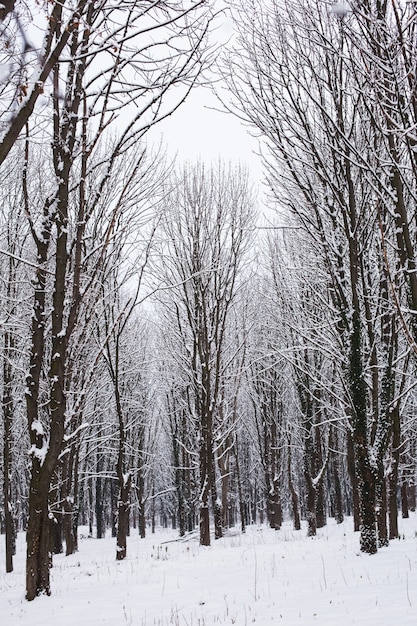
(198, 129)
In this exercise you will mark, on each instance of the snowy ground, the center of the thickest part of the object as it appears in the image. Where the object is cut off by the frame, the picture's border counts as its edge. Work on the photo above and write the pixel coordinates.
(263, 577)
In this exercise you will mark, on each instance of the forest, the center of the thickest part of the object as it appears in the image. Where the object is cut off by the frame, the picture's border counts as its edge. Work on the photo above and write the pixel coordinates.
(177, 350)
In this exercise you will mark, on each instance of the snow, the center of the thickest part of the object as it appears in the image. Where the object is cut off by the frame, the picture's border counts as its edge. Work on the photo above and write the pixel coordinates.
(37, 428)
(263, 577)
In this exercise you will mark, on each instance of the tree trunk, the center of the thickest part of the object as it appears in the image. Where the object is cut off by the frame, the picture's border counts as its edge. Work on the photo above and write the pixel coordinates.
(381, 510)
(404, 499)
(311, 508)
(7, 402)
(354, 482)
(217, 508)
(273, 504)
(206, 458)
(100, 526)
(321, 516)
(295, 501)
(37, 536)
(204, 525)
(123, 518)
(338, 502)
(393, 475)
(239, 489)
(368, 531)
(142, 506)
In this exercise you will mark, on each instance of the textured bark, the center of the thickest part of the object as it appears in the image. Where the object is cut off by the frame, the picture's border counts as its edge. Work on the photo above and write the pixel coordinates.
(392, 479)
(123, 518)
(381, 513)
(368, 531)
(37, 536)
(321, 514)
(311, 508)
(204, 526)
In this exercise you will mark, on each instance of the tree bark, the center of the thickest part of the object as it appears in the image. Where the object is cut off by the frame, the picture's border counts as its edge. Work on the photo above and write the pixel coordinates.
(37, 536)
(123, 518)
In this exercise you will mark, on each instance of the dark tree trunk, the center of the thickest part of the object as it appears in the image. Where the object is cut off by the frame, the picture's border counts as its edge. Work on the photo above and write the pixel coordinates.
(393, 475)
(273, 504)
(412, 496)
(354, 482)
(206, 474)
(338, 501)
(311, 508)
(368, 531)
(204, 525)
(114, 505)
(404, 499)
(142, 504)
(68, 522)
(239, 489)
(179, 485)
(100, 526)
(381, 510)
(55, 513)
(321, 516)
(123, 518)
(295, 501)
(37, 535)
(55, 533)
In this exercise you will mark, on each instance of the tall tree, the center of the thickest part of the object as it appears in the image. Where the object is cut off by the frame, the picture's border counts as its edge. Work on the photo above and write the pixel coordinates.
(205, 226)
(84, 102)
(291, 79)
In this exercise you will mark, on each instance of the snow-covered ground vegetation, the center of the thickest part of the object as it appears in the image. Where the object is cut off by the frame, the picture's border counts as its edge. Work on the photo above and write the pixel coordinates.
(261, 577)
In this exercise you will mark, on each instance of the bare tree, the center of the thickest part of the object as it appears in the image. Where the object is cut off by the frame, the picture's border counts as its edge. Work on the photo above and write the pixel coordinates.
(205, 233)
(79, 38)
(291, 79)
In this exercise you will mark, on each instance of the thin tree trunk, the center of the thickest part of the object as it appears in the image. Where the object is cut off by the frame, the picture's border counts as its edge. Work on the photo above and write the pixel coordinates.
(338, 503)
(239, 489)
(7, 402)
(393, 475)
(311, 508)
(404, 499)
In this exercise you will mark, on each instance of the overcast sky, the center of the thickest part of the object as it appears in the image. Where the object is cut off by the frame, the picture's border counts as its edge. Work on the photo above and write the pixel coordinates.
(199, 130)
